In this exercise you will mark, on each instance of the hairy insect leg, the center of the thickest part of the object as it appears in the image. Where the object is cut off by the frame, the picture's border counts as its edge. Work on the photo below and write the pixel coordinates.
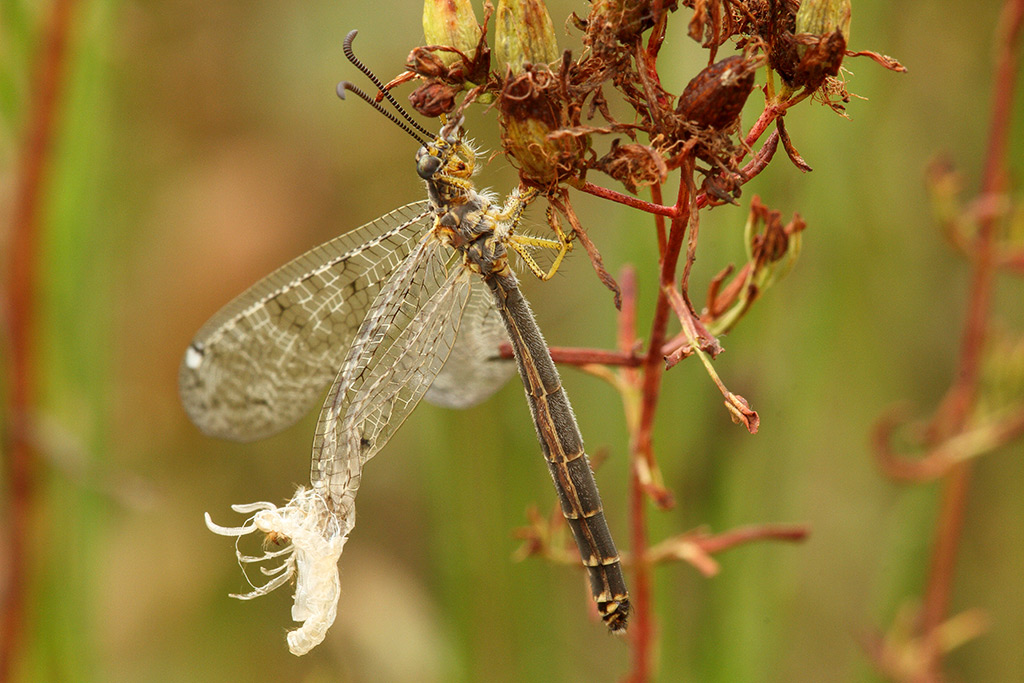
(563, 245)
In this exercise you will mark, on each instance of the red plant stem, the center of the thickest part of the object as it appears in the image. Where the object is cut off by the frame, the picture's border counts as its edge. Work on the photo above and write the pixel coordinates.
(768, 116)
(578, 357)
(710, 544)
(626, 332)
(654, 360)
(753, 167)
(1013, 261)
(960, 400)
(641, 452)
(727, 540)
(572, 355)
(605, 193)
(626, 341)
(658, 31)
(21, 288)
(659, 220)
(641, 632)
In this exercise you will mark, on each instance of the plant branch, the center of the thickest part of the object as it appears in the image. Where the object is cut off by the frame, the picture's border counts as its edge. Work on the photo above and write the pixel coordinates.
(696, 547)
(644, 478)
(955, 411)
(22, 292)
(633, 202)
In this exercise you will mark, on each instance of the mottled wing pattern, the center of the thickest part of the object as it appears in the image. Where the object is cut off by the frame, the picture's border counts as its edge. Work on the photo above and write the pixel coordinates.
(474, 370)
(398, 351)
(263, 361)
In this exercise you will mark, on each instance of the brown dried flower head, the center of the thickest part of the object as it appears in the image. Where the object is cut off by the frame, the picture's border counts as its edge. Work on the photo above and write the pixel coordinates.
(634, 165)
(427, 63)
(773, 24)
(624, 20)
(534, 116)
(771, 240)
(531, 101)
(822, 31)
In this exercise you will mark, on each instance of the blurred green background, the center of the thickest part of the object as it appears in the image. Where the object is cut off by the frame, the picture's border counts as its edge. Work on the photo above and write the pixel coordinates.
(201, 145)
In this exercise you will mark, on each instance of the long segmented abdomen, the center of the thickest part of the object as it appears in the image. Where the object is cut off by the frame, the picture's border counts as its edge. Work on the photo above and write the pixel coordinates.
(562, 444)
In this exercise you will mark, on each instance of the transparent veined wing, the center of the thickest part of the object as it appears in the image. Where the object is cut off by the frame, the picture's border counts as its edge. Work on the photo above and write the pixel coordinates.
(474, 370)
(395, 357)
(265, 359)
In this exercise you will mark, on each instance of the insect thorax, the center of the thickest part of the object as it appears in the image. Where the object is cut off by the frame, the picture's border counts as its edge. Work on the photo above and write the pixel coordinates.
(467, 220)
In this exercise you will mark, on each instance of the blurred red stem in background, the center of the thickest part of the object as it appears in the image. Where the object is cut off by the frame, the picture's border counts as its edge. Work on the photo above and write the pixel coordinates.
(697, 546)
(21, 294)
(959, 402)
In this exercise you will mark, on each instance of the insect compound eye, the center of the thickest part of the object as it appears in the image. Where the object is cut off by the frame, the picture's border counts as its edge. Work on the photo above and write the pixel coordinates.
(427, 165)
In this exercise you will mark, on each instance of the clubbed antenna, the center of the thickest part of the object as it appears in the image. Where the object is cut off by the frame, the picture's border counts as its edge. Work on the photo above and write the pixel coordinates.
(380, 87)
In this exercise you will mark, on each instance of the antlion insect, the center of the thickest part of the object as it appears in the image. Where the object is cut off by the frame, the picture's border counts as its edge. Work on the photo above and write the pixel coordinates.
(385, 303)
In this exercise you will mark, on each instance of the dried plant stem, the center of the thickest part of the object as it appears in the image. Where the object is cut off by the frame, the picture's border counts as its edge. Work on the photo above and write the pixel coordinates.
(956, 409)
(22, 288)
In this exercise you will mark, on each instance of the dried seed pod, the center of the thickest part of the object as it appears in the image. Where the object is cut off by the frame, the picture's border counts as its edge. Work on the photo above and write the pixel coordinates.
(524, 35)
(452, 23)
(532, 112)
(715, 97)
(434, 98)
